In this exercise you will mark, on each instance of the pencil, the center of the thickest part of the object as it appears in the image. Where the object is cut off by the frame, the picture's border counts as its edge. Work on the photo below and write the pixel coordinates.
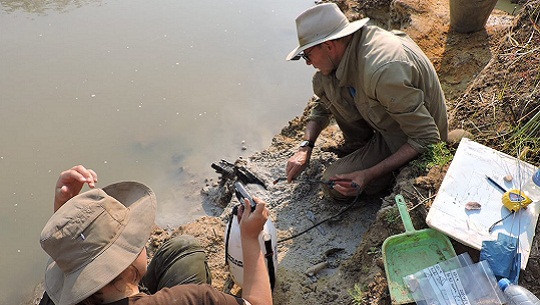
(496, 184)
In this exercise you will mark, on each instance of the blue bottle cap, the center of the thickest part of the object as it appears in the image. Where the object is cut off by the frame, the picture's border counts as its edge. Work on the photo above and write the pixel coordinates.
(536, 178)
(504, 283)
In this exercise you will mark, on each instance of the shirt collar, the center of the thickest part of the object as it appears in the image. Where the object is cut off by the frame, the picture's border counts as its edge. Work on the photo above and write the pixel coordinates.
(347, 60)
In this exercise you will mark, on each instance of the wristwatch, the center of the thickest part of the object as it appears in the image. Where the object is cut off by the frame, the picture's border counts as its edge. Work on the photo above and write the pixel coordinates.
(307, 143)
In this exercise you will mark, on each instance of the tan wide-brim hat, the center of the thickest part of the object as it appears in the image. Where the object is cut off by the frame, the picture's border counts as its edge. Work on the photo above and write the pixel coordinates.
(321, 23)
(95, 236)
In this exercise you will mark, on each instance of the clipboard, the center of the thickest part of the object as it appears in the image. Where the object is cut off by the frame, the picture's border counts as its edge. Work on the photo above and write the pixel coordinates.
(466, 182)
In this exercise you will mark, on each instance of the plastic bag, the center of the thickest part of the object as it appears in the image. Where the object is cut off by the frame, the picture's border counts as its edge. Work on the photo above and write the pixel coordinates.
(502, 257)
(455, 282)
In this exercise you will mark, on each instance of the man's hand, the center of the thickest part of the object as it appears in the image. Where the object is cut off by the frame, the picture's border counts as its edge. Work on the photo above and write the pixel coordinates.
(351, 184)
(70, 183)
(297, 163)
(363, 177)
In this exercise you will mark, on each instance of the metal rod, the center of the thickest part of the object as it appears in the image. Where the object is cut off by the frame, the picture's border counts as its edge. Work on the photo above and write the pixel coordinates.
(493, 225)
(313, 181)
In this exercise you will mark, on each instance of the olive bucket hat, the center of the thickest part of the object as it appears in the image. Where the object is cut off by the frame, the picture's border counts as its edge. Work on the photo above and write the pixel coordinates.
(95, 236)
(322, 23)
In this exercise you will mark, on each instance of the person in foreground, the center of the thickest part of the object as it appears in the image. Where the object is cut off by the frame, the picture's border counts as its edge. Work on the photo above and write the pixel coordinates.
(96, 243)
(381, 89)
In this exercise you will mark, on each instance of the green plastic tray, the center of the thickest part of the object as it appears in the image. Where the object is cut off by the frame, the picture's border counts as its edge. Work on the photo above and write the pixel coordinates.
(410, 252)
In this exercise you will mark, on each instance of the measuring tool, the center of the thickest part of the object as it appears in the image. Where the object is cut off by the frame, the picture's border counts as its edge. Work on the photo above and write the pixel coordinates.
(514, 199)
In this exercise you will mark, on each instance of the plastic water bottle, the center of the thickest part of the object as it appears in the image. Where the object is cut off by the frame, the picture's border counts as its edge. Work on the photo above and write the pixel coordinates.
(517, 295)
(532, 187)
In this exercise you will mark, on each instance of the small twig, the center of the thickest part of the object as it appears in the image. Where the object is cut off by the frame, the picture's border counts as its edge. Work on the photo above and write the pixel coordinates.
(410, 193)
(472, 123)
(493, 100)
(481, 97)
(513, 113)
(523, 153)
(418, 192)
(423, 201)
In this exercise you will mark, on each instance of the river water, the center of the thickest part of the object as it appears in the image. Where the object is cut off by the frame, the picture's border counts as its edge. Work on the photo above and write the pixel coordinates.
(139, 90)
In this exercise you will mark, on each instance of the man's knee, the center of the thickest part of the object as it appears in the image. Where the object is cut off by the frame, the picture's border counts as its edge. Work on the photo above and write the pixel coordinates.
(455, 136)
(182, 243)
(180, 260)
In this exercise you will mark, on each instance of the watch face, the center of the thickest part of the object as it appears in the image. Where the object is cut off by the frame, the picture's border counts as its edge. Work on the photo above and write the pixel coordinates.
(306, 143)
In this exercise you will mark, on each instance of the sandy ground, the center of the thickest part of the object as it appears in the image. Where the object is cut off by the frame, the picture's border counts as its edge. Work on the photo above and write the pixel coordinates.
(350, 239)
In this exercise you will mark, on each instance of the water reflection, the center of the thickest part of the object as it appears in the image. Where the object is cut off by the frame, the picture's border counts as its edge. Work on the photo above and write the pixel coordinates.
(41, 6)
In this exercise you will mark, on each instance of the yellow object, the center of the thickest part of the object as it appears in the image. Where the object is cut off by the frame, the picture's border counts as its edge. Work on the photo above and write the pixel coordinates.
(514, 200)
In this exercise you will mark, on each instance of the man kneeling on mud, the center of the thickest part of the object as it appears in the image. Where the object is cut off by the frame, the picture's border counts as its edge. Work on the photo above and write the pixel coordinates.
(381, 89)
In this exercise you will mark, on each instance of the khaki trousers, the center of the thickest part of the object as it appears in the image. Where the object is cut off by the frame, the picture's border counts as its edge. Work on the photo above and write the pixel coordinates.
(364, 157)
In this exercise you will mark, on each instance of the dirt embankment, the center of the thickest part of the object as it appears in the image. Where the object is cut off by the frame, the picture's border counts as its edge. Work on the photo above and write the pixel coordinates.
(483, 74)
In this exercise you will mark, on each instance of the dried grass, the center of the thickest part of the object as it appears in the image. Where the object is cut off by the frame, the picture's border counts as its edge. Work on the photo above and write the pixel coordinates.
(502, 109)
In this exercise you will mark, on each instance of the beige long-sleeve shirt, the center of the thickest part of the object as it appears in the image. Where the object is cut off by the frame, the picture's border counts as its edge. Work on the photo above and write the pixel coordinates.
(386, 84)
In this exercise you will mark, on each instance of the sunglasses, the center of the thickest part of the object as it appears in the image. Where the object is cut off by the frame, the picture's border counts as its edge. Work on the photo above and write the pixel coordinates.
(303, 55)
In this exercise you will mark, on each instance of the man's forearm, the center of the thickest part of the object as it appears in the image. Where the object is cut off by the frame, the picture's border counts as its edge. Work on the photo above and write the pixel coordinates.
(401, 157)
(313, 130)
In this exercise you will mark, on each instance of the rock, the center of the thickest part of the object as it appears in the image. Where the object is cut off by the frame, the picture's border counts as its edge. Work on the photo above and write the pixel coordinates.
(455, 136)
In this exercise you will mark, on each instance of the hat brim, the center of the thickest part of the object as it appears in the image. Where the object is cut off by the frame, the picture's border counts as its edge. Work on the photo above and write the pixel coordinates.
(351, 28)
(72, 288)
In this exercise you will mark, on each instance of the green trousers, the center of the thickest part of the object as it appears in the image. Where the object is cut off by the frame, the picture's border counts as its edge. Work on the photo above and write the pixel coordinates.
(180, 260)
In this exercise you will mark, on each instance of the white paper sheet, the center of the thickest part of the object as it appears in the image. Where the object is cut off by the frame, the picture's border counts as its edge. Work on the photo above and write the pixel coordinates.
(466, 181)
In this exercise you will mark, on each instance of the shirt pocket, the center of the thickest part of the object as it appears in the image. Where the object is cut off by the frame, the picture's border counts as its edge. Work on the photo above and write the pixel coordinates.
(346, 110)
